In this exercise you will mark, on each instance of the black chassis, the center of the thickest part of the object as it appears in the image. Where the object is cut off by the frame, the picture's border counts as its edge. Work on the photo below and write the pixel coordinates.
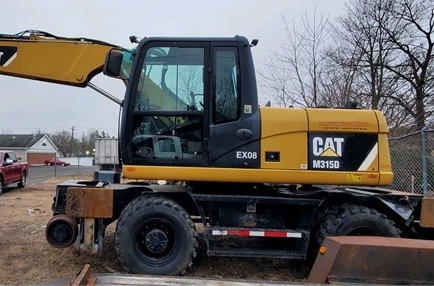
(276, 206)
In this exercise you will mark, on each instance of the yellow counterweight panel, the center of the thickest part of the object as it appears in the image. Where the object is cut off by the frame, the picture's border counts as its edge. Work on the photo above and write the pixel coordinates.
(287, 131)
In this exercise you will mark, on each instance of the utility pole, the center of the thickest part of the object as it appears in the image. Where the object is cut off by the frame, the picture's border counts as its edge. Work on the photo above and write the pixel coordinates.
(72, 141)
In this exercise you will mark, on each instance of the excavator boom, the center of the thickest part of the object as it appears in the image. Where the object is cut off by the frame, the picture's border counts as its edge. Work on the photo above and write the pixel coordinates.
(42, 56)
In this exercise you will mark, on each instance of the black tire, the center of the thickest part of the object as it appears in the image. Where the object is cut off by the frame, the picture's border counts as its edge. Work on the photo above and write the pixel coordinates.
(2, 186)
(22, 183)
(156, 236)
(352, 220)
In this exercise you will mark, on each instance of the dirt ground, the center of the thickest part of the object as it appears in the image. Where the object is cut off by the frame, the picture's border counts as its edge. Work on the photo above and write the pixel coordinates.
(26, 257)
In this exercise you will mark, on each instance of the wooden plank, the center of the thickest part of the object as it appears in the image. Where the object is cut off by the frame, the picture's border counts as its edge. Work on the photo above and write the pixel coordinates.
(130, 279)
(83, 276)
(89, 202)
(112, 279)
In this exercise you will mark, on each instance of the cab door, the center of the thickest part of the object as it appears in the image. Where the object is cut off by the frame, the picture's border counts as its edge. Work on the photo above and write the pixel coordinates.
(168, 119)
(235, 122)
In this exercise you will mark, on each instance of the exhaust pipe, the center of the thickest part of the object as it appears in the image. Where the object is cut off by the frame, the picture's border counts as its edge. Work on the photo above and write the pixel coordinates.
(61, 231)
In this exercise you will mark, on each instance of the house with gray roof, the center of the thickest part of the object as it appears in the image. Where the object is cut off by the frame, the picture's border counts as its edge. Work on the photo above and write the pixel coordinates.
(34, 148)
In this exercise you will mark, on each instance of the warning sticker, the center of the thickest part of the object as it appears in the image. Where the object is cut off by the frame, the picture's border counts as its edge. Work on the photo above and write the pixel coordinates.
(353, 178)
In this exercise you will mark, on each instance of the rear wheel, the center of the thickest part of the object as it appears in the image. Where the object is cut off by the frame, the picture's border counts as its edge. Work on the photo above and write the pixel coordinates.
(23, 181)
(353, 220)
(1, 185)
(154, 235)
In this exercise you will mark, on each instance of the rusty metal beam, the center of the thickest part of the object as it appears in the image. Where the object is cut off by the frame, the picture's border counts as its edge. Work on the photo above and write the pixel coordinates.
(427, 212)
(89, 202)
(372, 259)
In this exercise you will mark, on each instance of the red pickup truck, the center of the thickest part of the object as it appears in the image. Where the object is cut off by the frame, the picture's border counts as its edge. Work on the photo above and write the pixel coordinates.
(11, 170)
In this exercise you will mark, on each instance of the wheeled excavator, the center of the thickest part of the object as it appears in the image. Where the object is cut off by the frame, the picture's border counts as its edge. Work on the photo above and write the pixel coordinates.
(253, 181)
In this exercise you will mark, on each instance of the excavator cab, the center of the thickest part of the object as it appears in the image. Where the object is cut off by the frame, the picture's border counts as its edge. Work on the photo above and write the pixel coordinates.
(184, 104)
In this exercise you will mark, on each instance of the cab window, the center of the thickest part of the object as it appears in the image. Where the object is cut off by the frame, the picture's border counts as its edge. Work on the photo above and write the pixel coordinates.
(171, 79)
(226, 78)
(169, 104)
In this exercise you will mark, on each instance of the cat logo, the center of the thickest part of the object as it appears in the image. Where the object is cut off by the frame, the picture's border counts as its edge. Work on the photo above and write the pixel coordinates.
(327, 146)
(7, 55)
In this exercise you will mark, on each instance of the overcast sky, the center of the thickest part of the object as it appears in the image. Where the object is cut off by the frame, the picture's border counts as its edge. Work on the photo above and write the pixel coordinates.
(28, 106)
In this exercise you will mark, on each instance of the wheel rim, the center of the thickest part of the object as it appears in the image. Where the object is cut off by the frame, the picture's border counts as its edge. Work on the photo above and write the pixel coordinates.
(23, 180)
(155, 241)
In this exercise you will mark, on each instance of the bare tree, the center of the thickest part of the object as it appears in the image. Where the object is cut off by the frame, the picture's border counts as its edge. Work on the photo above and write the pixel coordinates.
(341, 73)
(101, 134)
(388, 44)
(87, 142)
(411, 34)
(361, 55)
(63, 140)
(292, 73)
(72, 146)
(381, 55)
(277, 82)
(191, 87)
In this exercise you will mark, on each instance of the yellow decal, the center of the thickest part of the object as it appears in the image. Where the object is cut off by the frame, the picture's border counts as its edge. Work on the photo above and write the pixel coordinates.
(353, 178)
(329, 152)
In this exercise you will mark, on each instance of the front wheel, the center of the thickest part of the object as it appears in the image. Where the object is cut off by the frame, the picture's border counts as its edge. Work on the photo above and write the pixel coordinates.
(2, 186)
(353, 220)
(154, 235)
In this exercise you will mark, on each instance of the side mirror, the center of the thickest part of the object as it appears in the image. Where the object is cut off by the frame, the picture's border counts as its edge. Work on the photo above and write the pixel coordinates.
(113, 63)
